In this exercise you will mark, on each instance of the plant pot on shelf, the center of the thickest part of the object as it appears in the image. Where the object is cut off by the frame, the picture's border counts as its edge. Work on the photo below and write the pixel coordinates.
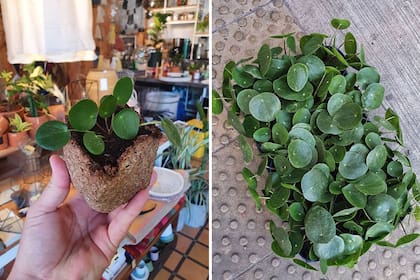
(36, 122)
(8, 112)
(105, 188)
(17, 138)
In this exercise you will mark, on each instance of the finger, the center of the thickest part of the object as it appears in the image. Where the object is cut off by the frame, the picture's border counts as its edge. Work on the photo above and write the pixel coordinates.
(123, 217)
(58, 188)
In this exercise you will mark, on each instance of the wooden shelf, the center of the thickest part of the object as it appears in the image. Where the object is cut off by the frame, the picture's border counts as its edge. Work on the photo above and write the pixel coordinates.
(175, 9)
(180, 22)
(201, 34)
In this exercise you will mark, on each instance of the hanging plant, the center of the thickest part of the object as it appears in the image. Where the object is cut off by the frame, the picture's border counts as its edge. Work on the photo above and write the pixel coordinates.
(337, 172)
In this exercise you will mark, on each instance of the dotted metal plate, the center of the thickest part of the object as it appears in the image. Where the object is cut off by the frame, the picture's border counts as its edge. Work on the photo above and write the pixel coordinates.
(241, 239)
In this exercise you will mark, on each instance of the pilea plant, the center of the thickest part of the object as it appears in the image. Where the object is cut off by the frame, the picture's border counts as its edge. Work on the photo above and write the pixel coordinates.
(336, 173)
(96, 123)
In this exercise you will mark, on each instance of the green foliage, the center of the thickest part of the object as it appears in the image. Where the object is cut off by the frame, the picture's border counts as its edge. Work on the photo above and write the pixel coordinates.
(95, 123)
(16, 124)
(336, 173)
(155, 31)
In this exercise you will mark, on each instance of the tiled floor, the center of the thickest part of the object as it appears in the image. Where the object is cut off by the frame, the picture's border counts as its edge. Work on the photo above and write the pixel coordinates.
(190, 258)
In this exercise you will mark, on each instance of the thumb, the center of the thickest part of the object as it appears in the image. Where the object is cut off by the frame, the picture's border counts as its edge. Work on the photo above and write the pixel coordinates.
(58, 188)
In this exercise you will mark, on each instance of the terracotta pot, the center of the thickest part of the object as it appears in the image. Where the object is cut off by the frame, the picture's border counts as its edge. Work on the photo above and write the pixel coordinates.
(36, 122)
(105, 187)
(17, 138)
(4, 125)
(58, 112)
(3, 142)
(10, 114)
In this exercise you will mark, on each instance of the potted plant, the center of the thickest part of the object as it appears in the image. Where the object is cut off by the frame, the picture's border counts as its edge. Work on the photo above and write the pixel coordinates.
(155, 35)
(32, 87)
(197, 202)
(9, 105)
(18, 131)
(335, 171)
(109, 153)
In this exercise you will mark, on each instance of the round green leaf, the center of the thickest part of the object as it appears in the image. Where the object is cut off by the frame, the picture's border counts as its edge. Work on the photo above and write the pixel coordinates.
(311, 43)
(263, 86)
(279, 133)
(340, 24)
(302, 115)
(270, 147)
(297, 76)
(264, 106)
(369, 127)
(125, 124)
(284, 118)
(376, 158)
(262, 134)
(350, 81)
(323, 168)
(352, 243)
(302, 134)
(353, 165)
(123, 90)
(299, 153)
(382, 207)
(372, 140)
(243, 98)
(107, 106)
(333, 248)
(281, 237)
(250, 125)
(335, 188)
(283, 90)
(349, 116)
(356, 198)
(264, 59)
(337, 85)
(373, 96)
(338, 152)
(370, 184)
(83, 115)
(336, 102)
(350, 45)
(279, 197)
(394, 168)
(282, 165)
(367, 76)
(319, 225)
(252, 70)
(325, 123)
(314, 185)
(242, 78)
(52, 135)
(278, 68)
(379, 229)
(296, 211)
(93, 143)
(316, 66)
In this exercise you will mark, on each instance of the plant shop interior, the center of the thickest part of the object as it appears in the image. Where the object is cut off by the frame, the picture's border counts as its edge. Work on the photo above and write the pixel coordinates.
(120, 63)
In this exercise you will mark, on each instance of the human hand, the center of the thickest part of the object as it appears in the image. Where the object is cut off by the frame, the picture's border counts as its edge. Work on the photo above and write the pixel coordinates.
(70, 240)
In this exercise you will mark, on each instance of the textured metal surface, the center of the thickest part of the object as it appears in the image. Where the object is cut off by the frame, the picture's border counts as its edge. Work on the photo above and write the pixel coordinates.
(241, 240)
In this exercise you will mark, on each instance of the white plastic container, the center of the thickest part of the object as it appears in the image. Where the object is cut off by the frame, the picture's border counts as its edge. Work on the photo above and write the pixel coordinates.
(163, 103)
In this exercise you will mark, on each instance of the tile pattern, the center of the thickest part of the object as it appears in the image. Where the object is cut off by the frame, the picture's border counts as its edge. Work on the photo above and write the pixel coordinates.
(241, 240)
(190, 259)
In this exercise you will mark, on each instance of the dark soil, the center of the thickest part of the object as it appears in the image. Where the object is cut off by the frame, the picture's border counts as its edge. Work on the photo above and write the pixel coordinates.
(114, 146)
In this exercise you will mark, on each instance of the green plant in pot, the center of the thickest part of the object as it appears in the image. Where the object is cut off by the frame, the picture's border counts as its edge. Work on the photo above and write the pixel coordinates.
(18, 131)
(336, 171)
(155, 32)
(109, 152)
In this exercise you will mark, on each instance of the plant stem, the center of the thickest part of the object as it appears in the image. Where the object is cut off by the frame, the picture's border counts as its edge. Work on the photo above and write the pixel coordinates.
(32, 105)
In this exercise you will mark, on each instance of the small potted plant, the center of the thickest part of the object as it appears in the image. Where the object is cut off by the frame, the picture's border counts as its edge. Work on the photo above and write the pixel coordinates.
(9, 103)
(18, 131)
(109, 153)
(197, 202)
(32, 87)
(335, 172)
(155, 32)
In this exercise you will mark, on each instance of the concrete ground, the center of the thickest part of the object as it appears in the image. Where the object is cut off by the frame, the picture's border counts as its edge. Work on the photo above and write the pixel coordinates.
(389, 31)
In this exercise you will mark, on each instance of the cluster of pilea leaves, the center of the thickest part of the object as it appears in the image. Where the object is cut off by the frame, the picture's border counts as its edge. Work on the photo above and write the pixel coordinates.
(85, 115)
(336, 175)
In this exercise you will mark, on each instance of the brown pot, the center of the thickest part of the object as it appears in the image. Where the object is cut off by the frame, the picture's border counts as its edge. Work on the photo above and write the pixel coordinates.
(11, 114)
(3, 142)
(17, 138)
(106, 188)
(36, 122)
(4, 125)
